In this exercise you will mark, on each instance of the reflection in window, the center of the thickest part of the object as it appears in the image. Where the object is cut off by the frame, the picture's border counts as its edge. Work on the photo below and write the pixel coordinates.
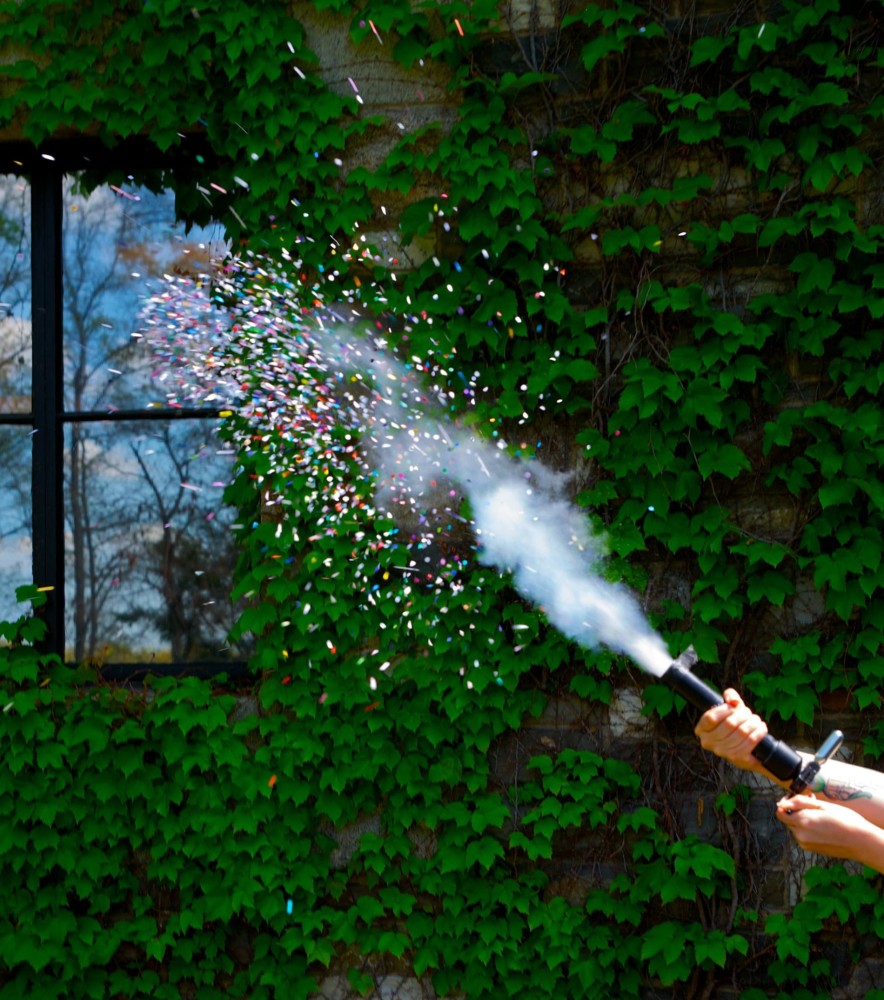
(15, 518)
(15, 295)
(149, 556)
(147, 549)
(148, 553)
(117, 239)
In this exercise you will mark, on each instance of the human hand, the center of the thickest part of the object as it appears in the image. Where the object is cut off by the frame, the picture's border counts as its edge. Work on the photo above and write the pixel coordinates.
(732, 731)
(832, 829)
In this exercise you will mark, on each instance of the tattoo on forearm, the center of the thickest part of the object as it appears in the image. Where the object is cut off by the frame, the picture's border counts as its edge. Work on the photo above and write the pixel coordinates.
(839, 790)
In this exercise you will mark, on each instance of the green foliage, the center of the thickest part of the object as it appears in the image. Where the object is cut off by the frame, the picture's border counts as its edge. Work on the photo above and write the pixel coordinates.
(671, 282)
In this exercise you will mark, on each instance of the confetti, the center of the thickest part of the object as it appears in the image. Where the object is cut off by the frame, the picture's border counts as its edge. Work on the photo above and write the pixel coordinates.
(327, 400)
(364, 442)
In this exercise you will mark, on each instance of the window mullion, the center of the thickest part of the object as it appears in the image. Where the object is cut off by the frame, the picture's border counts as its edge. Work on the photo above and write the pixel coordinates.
(47, 396)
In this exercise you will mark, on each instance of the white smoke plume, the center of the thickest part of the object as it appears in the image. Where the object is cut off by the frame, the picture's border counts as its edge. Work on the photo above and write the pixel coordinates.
(522, 522)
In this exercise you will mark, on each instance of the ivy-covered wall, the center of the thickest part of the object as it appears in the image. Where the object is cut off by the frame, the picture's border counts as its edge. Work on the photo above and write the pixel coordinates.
(657, 233)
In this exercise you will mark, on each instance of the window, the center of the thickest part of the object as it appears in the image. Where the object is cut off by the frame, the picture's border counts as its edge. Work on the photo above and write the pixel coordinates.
(15, 388)
(111, 479)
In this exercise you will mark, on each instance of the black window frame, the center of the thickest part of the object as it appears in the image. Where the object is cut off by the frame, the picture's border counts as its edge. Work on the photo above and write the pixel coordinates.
(45, 167)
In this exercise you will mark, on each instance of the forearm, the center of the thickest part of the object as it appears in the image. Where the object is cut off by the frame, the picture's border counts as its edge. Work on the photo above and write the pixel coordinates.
(858, 788)
(870, 849)
(833, 829)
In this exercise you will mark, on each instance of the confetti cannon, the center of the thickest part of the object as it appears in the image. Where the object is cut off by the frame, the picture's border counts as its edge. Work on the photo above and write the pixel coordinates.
(777, 757)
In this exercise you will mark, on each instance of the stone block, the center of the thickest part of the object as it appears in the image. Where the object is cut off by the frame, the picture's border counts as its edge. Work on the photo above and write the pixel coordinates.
(387, 987)
(867, 976)
(525, 17)
(625, 715)
(347, 838)
(367, 70)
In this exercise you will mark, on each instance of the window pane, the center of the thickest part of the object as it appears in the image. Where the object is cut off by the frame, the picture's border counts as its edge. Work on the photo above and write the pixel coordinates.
(117, 240)
(15, 295)
(149, 556)
(15, 518)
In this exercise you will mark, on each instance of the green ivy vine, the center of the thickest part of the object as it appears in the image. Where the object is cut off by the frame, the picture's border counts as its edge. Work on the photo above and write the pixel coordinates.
(658, 239)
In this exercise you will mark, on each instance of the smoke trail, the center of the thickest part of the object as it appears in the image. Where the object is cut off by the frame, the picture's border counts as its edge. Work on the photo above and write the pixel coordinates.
(523, 522)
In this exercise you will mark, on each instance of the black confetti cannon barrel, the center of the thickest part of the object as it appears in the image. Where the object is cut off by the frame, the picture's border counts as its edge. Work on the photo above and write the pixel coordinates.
(778, 757)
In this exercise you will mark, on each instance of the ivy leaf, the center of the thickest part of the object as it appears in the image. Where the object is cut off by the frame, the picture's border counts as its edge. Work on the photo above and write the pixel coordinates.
(808, 142)
(875, 272)
(417, 218)
(538, 847)
(643, 817)
(660, 699)
(368, 908)
(712, 947)
(851, 159)
(489, 812)
(827, 93)
(408, 50)
(319, 949)
(581, 370)
(483, 852)
(708, 49)
(678, 887)
(256, 618)
(600, 48)
(815, 273)
(583, 218)
(665, 949)
(586, 140)
(154, 51)
(775, 228)
(792, 938)
(703, 400)
(743, 368)
(762, 154)
(624, 119)
(770, 585)
(837, 492)
(762, 36)
(692, 132)
(874, 490)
